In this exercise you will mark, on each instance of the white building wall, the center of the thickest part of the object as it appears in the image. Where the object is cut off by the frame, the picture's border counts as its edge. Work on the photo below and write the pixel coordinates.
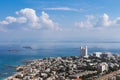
(83, 51)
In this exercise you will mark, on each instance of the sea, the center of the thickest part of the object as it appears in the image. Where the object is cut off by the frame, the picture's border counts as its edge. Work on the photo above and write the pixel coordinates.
(15, 53)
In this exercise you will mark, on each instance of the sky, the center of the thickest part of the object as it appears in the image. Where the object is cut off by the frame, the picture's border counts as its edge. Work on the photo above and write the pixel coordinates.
(59, 20)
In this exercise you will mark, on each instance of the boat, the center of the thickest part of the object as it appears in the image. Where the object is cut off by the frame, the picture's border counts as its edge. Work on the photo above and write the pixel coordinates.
(13, 50)
(27, 47)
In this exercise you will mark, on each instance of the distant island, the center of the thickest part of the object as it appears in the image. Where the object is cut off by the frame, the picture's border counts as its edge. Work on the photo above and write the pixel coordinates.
(97, 66)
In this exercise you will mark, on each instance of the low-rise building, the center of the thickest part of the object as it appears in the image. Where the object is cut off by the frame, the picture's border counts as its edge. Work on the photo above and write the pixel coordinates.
(103, 67)
(97, 54)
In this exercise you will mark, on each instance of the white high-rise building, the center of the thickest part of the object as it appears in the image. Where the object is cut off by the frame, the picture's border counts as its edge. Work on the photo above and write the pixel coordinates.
(83, 51)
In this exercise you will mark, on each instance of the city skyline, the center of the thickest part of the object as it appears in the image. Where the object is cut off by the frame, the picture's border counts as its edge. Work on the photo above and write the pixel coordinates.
(59, 20)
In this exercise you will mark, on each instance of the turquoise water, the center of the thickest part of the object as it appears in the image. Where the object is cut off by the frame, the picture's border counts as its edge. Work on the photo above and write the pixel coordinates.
(45, 49)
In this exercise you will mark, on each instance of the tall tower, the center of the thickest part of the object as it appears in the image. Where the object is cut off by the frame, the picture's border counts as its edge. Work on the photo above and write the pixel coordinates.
(83, 51)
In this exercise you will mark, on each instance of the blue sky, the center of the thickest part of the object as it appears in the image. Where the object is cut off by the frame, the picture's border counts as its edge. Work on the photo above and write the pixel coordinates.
(76, 20)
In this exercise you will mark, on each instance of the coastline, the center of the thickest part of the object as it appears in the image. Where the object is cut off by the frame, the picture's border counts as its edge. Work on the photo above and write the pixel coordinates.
(69, 67)
(63, 53)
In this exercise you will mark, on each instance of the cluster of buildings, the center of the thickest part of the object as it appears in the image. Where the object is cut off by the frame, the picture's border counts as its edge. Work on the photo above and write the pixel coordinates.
(103, 62)
(60, 68)
(83, 67)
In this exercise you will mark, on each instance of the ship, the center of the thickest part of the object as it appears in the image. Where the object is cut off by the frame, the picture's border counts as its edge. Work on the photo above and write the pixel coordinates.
(13, 50)
(27, 47)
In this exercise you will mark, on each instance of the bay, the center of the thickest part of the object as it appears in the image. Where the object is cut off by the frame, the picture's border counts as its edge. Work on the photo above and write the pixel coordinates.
(14, 53)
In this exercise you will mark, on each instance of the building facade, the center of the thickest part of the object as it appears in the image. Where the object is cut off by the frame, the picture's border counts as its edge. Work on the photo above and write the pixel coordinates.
(103, 67)
(83, 51)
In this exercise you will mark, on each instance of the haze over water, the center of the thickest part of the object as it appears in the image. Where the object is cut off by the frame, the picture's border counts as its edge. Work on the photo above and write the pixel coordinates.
(56, 28)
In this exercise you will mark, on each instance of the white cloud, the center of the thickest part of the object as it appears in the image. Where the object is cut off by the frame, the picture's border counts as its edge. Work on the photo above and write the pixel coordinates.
(98, 22)
(104, 21)
(61, 9)
(21, 20)
(4, 22)
(85, 24)
(8, 20)
(47, 22)
(31, 20)
(117, 21)
(30, 15)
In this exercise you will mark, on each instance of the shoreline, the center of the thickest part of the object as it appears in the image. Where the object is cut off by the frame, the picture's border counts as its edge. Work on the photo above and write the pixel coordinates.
(69, 67)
